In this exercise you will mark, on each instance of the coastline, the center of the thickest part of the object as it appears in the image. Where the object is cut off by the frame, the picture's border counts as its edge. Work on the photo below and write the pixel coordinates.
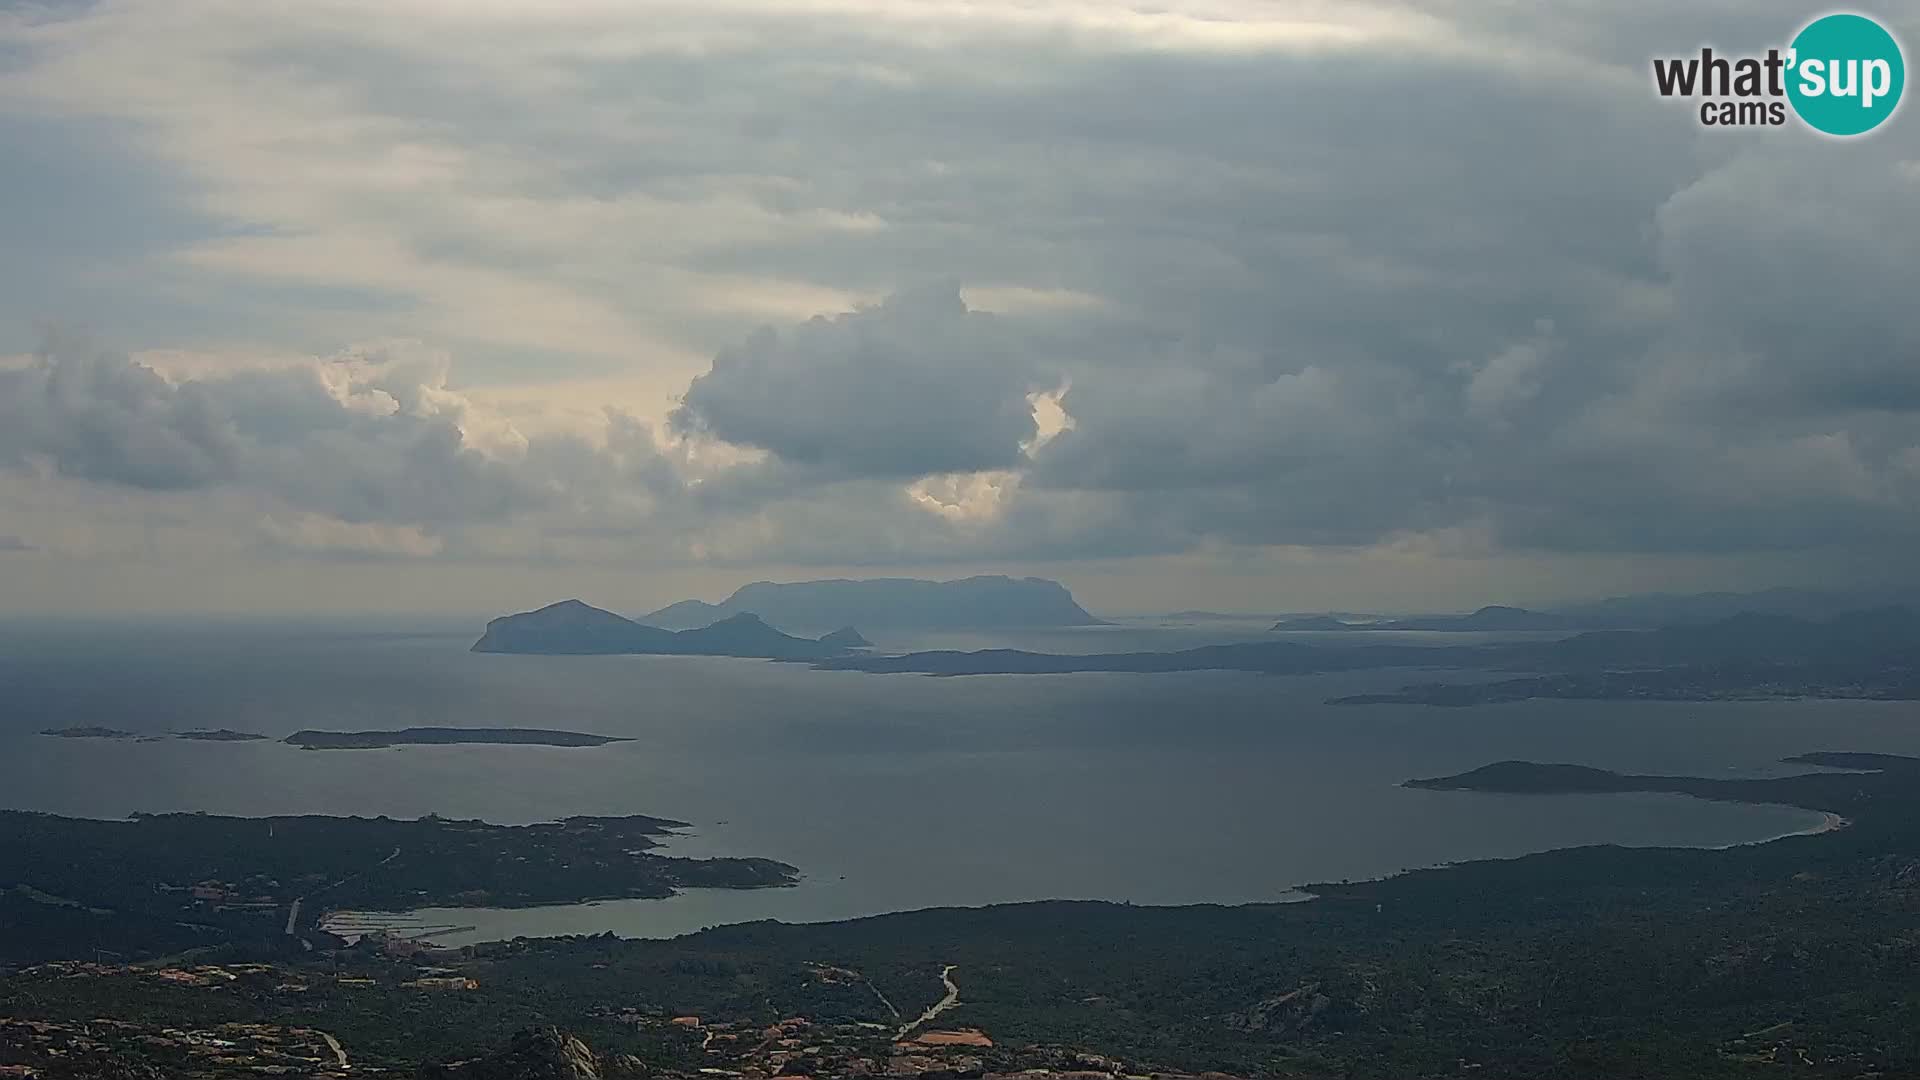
(1830, 822)
(690, 909)
(844, 883)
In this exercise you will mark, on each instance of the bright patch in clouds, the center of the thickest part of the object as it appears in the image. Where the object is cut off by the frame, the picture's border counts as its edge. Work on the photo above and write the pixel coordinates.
(318, 534)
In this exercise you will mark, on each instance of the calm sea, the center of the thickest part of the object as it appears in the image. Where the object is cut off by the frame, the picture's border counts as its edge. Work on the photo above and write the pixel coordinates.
(889, 792)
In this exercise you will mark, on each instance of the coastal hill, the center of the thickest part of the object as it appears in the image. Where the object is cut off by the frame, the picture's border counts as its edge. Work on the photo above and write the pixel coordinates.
(966, 604)
(574, 628)
(847, 638)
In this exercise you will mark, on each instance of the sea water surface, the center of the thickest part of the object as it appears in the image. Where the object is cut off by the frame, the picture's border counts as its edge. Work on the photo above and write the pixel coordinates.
(890, 792)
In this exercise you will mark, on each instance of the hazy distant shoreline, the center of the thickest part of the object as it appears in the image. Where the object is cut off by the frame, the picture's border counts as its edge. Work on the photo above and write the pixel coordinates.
(317, 739)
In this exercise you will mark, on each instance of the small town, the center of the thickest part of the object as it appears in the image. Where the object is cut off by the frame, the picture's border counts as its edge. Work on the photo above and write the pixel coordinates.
(716, 1048)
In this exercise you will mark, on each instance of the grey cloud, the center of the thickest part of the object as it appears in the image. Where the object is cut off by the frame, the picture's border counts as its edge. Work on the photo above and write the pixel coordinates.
(1738, 378)
(914, 386)
(1800, 257)
(102, 418)
(1345, 296)
(366, 449)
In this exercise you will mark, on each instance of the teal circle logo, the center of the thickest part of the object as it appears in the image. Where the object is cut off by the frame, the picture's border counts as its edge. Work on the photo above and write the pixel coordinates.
(1846, 74)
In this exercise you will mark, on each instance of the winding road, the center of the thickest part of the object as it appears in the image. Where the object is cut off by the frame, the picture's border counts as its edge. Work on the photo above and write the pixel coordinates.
(935, 1009)
(340, 1053)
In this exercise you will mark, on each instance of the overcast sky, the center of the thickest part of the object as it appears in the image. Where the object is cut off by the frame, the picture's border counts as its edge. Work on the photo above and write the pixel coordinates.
(1232, 304)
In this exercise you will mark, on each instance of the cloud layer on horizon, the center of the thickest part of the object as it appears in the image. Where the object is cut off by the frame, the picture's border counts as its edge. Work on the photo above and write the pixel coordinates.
(891, 283)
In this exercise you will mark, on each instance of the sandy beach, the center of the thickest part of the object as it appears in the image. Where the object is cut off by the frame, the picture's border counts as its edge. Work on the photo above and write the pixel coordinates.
(1830, 822)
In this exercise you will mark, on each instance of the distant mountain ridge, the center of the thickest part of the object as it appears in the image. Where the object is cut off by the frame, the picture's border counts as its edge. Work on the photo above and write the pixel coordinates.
(983, 602)
(1858, 640)
(1662, 609)
(576, 628)
(1493, 617)
(1876, 635)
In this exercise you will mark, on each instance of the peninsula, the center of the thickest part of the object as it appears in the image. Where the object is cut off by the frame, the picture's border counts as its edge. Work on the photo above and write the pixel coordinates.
(1867, 778)
(158, 883)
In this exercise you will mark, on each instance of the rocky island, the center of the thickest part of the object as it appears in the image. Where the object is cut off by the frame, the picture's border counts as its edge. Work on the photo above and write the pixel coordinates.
(846, 638)
(574, 628)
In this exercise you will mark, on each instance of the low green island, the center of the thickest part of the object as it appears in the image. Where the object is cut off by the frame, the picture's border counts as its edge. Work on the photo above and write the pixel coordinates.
(445, 736)
(1865, 777)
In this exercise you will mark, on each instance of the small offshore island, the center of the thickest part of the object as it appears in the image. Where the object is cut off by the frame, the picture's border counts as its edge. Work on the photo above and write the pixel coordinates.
(198, 734)
(222, 735)
(445, 736)
(1868, 783)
